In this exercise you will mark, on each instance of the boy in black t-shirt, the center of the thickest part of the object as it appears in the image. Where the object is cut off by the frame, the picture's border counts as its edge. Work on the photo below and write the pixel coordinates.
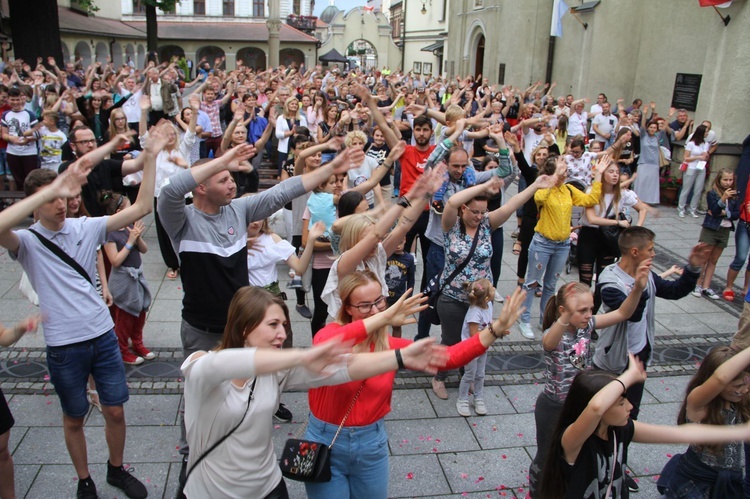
(399, 276)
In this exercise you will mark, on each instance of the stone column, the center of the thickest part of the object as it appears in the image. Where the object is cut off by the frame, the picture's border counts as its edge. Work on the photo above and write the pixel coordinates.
(274, 25)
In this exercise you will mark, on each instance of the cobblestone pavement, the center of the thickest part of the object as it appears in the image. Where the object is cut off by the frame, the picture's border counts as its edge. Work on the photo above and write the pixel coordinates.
(434, 452)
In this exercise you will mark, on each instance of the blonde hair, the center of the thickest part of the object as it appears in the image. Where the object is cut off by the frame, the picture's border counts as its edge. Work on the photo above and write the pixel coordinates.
(351, 233)
(286, 107)
(454, 112)
(355, 134)
(478, 292)
(347, 285)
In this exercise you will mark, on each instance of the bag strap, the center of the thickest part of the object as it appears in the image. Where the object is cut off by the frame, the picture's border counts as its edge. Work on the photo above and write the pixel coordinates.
(62, 255)
(221, 440)
(608, 495)
(349, 410)
(609, 208)
(463, 264)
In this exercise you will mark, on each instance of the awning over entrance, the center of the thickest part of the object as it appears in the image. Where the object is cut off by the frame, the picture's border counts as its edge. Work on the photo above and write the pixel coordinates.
(435, 46)
(333, 55)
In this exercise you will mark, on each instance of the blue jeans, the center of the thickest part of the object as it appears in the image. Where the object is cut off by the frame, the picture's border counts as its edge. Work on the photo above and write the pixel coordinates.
(4, 168)
(742, 246)
(435, 264)
(546, 260)
(69, 368)
(359, 461)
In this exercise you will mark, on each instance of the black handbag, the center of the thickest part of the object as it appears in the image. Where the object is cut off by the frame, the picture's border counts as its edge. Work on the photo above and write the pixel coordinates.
(185, 473)
(307, 460)
(434, 290)
(611, 233)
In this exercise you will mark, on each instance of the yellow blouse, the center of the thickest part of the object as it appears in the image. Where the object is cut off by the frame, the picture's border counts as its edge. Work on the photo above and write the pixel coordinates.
(556, 208)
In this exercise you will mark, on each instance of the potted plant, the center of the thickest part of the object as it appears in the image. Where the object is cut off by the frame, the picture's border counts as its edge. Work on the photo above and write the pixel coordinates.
(669, 186)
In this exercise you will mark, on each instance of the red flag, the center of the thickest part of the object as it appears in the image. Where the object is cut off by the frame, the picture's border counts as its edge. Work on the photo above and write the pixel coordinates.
(722, 4)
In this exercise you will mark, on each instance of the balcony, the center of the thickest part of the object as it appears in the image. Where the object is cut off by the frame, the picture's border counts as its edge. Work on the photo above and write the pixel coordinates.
(306, 24)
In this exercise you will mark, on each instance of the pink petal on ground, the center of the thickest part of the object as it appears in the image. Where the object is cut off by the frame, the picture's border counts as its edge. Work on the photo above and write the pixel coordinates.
(479, 479)
(434, 449)
(276, 426)
(437, 440)
(669, 455)
(404, 441)
(519, 434)
(464, 475)
(505, 457)
(148, 480)
(409, 476)
(464, 494)
(46, 377)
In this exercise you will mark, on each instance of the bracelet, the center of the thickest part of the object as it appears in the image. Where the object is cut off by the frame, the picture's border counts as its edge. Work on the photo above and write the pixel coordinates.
(128, 246)
(623, 385)
(403, 202)
(563, 324)
(492, 331)
(399, 359)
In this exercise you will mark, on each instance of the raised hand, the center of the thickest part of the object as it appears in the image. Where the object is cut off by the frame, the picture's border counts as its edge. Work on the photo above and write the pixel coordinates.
(636, 373)
(512, 310)
(425, 355)
(699, 254)
(512, 141)
(546, 181)
(603, 164)
(157, 140)
(195, 102)
(317, 230)
(403, 312)
(145, 103)
(493, 186)
(238, 154)
(318, 358)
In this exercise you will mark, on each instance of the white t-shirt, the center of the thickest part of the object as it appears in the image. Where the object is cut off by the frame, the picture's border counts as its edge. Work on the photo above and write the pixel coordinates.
(17, 123)
(131, 108)
(577, 124)
(580, 168)
(50, 145)
(530, 141)
(156, 101)
(691, 149)
(263, 257)
(605, 124)
(628, 199)
(595, 109)
(477, 315)
(361, 174)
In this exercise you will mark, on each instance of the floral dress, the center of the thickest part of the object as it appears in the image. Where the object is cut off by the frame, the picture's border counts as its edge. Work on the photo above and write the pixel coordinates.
(456, 244)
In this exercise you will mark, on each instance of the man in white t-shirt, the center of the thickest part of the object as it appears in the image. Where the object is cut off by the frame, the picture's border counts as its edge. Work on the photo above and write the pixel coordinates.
(533, 130)
(577, 121)
(131, 108)
(597, 108)
(603, 126)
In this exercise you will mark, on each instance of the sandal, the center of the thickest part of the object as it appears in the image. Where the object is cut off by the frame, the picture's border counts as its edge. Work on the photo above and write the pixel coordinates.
(728, 295)
(93, 398)
(517, 247)
(172, 274)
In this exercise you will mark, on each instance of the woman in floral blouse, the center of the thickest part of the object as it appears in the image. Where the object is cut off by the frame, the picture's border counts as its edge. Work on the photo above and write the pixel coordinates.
(464, 214)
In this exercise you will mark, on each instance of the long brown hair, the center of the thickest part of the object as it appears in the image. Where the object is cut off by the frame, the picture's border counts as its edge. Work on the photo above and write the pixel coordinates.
(616, 195)
(714, 410)
(347, 285)
(246, 312)
(718, 189)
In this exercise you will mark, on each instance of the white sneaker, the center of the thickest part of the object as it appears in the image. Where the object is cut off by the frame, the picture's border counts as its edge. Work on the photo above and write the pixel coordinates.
(526, 330)
(499, 297)
(462, 406)
(479, 406)
(693, 214)
(680, 213)
(710, 293)
(698, 292)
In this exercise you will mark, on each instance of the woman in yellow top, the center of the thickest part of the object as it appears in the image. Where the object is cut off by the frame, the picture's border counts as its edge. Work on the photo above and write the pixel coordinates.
(550, 245)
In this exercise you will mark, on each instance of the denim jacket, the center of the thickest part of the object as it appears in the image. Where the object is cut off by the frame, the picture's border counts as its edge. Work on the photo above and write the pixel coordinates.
(715, 206)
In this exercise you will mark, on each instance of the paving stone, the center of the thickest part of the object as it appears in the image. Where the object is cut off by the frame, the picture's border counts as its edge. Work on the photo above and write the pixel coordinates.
(512, 430)
(436, 435)
(165, 311)
(523, 397)
(681, 324)
(17, 433)
(416, 476)
(33, 410)
(170, 290)
(494, 399)
(668, 389)
(507, 468)
(61, 480)
(410, 404)
(145, 410)
(24, 476)
(146, 444)
(162, 334)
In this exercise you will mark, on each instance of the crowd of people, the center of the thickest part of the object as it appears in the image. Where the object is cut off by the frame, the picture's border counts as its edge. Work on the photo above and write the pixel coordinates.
(378, 174)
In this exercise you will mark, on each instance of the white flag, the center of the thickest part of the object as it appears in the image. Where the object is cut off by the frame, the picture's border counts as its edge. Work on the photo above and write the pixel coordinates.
(559, 10)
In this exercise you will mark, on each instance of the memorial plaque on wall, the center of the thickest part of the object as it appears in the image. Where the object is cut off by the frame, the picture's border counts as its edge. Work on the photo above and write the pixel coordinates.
(686, 89)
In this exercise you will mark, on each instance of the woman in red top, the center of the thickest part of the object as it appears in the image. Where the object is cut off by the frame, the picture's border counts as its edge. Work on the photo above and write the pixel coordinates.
(359, 458)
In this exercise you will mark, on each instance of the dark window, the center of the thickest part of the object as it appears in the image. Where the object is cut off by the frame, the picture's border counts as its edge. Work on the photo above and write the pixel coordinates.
(228, 7)
(259, 8)
(138, 7)
(199, 7)
(501, 74)
(296, 9)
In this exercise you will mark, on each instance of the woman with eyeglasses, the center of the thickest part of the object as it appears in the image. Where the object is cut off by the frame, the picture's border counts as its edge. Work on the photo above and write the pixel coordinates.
(97, 110)
(359, 458)
(465, 216)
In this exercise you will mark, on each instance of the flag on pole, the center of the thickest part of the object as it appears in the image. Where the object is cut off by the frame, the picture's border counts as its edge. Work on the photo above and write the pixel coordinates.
(722, 4)
(559, 10)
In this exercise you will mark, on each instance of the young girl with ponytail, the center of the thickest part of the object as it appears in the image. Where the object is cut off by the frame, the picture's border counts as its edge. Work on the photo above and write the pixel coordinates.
(568, 323)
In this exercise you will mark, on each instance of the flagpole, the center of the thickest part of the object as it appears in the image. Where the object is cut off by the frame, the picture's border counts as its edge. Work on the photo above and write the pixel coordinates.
(725, 19)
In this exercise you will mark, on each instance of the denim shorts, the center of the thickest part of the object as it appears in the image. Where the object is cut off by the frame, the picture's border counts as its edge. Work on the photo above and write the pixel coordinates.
(69, 368)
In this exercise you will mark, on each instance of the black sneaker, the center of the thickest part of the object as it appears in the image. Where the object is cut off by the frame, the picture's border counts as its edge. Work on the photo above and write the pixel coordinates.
(122, 479)
(283, 414)
(86, 489)
(631, 483)
(304, 311)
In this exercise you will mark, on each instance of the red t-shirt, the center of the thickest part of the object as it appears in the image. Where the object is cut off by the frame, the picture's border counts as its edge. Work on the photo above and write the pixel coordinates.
(412, 166)
(744, 215)
(330, 403)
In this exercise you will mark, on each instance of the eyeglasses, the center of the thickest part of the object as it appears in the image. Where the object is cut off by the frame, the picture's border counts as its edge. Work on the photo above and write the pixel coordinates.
(365, 308)
(476, 213)
(85, 141)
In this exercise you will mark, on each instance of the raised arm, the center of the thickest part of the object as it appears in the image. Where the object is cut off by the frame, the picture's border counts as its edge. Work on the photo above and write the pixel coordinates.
(723, 376)
(366, 97)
